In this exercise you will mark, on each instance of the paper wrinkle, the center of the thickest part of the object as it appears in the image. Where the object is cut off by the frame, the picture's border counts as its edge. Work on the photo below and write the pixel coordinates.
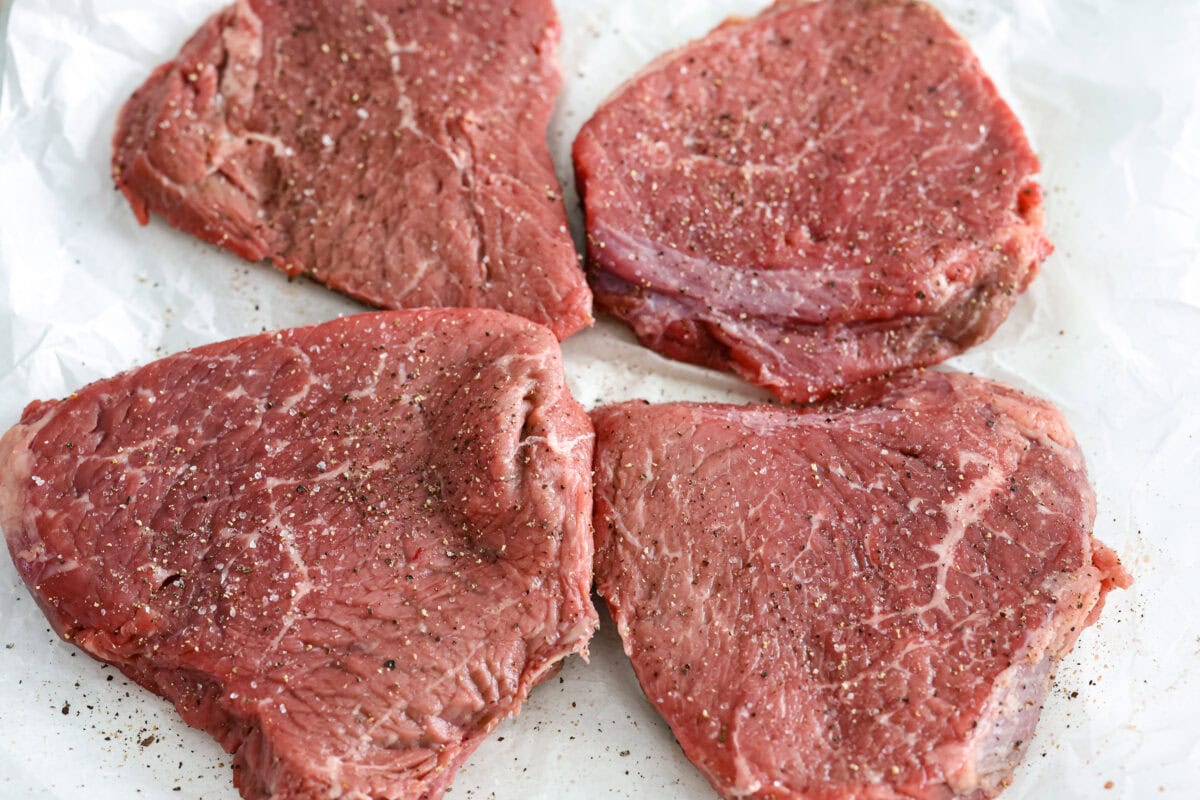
(1109, 92)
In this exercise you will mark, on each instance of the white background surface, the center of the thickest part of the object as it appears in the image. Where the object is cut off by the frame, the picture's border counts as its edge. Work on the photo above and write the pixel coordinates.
(1110, 93)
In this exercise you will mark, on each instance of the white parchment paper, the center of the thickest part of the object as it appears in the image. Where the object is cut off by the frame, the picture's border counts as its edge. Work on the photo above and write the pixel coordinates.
(1110, 92)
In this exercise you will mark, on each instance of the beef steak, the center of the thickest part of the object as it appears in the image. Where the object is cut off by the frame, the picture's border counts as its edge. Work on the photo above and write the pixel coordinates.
(829, 191)
(862, 603)
(345, 551)
(393, 151)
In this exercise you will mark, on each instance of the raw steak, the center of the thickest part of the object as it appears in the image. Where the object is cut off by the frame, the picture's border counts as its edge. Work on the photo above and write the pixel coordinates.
(395, 151)
(849, 604)
(345, 551)
(824, 193)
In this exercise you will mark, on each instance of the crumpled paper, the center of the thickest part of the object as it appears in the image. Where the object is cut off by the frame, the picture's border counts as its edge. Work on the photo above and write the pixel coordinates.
(1110, 93)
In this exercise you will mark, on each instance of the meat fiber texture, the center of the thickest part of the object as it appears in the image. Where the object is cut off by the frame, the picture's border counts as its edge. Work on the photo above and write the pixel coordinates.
(345, 551)
(864, 603)
(395, 152)
(827, 192)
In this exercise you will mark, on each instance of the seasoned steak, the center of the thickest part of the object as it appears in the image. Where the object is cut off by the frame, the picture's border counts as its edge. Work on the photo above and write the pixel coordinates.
(345, 551)
(827, 192)
(864, 603)
(393, 151)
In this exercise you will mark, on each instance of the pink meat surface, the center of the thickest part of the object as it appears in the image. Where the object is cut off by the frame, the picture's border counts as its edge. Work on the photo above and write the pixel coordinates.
(393, 151)
(345, 551)
(864, 603)
(827, 192)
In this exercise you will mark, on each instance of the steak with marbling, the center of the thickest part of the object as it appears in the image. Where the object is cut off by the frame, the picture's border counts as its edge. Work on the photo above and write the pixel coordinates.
(849, 604)
(345, 551)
